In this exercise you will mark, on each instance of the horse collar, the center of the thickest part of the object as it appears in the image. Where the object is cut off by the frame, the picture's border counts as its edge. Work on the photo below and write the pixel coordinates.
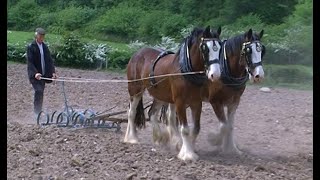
(186, 65)
(226, 76)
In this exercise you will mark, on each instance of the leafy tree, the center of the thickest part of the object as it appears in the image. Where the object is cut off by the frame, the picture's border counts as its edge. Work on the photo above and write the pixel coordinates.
(22, 16)
(122, 20)
(73, 18)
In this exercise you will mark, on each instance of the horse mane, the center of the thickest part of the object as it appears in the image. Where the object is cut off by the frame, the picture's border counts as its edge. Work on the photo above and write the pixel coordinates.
(234, 44)
(192, 38)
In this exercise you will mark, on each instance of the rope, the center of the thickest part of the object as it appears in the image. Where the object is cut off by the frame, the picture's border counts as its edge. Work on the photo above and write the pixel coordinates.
(68, 79)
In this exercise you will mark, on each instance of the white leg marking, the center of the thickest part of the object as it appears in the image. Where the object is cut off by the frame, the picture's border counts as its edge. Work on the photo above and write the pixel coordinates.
(229, 145)
(156, 130)
(131, 134)
(216, 139)
(172, 127)
(186, 152)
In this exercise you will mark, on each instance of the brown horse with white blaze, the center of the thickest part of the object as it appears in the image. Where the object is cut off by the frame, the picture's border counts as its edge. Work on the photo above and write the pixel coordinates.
(198, 52)
(241, 58)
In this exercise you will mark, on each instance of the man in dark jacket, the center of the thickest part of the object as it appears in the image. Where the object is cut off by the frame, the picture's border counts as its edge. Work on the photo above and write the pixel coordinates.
(40, 64)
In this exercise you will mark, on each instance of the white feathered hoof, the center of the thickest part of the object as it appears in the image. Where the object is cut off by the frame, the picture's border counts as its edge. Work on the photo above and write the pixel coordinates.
(231, 150)
(131, 140)
(188, 156)
(214, 139)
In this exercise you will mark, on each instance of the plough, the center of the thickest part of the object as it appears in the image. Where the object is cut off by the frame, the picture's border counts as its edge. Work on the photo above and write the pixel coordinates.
(87, 118)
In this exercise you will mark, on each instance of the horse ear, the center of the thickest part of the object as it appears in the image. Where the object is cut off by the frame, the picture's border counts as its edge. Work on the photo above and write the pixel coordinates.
(249, 35)
(219, 30)
(261, 33)
(207, 31)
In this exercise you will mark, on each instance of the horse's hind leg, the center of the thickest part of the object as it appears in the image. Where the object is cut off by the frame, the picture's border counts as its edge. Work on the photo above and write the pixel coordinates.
(131, 133)
(228, 144)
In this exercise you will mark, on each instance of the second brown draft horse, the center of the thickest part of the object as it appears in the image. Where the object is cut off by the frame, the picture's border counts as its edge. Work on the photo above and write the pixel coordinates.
(198, 52)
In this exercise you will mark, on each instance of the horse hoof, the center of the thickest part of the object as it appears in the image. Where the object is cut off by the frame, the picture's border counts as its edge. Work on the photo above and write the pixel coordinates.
(188, 156)
(177, 144)
(214, 139)
(131, 140)
(232, 151)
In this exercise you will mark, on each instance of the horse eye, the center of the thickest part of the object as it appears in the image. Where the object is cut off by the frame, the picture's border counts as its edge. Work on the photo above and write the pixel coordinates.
(204, 47)
(248, 49)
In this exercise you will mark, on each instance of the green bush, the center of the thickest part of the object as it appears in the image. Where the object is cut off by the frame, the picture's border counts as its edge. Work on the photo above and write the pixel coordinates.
(16, 52)
(119, 59)
(122, 21)
(243, 24)
(23, 15)
(73, 18)
(47, 19)
(154, 25)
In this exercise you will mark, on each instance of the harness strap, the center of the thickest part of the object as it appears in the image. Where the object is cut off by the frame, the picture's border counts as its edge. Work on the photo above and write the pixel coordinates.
(151, 75)
(213, 61)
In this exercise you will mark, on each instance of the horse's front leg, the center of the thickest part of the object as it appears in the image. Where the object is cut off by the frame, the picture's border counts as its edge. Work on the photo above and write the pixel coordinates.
(186, 151)
(196, 115)
(229, 145)
(172, 127)
(216, 139)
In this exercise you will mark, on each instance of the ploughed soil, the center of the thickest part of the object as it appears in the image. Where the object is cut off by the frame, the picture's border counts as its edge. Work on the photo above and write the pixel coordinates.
(272, 129)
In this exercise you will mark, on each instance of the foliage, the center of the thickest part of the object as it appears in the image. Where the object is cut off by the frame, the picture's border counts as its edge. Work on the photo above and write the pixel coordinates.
(288, 74)
(121, 21)
(75, 53)
(73, 17)
(119, 59)
(287, 25)
(168, 44)
(16, 52)
(136, 45)
(155, 25)
(22, 16)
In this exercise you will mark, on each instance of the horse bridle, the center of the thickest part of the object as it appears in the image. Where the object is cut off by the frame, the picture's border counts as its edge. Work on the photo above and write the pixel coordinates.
(204, 49)
(246, 51)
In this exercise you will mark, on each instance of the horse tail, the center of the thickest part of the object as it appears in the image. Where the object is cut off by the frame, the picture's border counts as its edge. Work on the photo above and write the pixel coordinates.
(163, 114)
(140, 119)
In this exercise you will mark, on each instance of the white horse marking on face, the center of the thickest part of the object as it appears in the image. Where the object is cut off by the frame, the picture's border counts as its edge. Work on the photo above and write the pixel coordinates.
(214, 52)
(258, 73)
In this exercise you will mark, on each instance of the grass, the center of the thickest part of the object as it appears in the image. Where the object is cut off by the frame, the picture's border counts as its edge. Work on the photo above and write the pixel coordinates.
(289, 76)
(21, 37)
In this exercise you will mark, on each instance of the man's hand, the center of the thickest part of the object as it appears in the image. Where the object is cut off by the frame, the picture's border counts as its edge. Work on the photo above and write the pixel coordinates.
(38, 76)
(54, 76)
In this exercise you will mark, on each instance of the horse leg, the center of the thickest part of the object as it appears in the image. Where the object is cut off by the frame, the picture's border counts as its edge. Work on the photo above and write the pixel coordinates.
(172, 127)
(228, 144)
(158, 136)
(216, 139)
(131, 133)
(186, 151)
(196, 115)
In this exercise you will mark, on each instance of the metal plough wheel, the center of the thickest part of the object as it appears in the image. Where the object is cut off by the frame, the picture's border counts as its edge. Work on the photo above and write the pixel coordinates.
(43, 118)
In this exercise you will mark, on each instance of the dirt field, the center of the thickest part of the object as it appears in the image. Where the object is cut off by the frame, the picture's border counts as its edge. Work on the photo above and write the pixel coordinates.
(274, 130)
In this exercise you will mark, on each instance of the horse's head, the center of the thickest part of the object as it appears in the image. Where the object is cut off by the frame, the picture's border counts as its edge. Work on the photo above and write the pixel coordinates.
(253, 51)
(210, 46)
